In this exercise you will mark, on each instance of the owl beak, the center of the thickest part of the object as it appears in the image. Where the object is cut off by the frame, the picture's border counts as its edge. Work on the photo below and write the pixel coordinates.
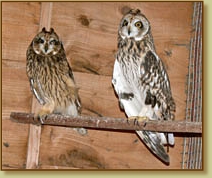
(129, 31)
(46, 48)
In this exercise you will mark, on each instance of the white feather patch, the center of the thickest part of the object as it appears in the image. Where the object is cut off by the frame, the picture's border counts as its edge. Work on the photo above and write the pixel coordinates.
(171, 138)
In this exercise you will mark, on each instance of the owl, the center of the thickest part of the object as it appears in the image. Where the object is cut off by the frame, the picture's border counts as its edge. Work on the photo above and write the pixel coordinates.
(141, 82)
(50, 76)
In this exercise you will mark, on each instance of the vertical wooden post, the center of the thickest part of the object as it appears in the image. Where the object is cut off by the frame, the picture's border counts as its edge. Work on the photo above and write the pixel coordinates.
(35, 131)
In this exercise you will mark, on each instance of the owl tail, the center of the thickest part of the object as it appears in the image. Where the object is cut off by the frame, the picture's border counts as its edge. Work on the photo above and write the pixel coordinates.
(153, 142)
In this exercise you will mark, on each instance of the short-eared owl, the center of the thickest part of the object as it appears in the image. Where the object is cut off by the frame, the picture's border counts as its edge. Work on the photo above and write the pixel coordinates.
(141, 81)
(50, 76)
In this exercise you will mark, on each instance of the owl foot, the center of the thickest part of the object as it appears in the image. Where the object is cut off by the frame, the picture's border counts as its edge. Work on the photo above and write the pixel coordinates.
(42, 118)
(138, 119)
(81, 131)
(44, 112)
(42, 115)
(39, 119)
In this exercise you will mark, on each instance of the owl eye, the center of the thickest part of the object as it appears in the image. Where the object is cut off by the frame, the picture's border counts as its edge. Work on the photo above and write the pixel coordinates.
(139, 24)
(125, 23)
(40, 40)
(53, 42)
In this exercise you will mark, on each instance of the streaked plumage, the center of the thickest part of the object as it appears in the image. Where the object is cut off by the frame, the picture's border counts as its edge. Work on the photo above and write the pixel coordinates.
(51, 78)
(141, 81)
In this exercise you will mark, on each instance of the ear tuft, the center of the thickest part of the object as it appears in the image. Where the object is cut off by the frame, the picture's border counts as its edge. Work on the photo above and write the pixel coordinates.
(135, 11)
(43, 29)
(51, 30)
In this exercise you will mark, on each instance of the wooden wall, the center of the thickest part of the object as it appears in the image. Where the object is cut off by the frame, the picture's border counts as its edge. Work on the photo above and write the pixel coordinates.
(89, 33)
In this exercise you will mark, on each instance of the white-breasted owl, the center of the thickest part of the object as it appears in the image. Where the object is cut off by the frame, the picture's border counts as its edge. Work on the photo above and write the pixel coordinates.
(141, 81)
(50, 75)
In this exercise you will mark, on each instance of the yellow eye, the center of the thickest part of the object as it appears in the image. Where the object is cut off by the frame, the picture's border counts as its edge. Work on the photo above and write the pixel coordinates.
(139, 24)
(125, 23)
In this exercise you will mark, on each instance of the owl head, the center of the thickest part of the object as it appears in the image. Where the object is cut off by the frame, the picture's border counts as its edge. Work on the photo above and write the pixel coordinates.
(134, 25)
(46, 42)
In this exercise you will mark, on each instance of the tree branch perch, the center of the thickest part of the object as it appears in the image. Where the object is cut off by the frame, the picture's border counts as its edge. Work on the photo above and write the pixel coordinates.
(109, 123)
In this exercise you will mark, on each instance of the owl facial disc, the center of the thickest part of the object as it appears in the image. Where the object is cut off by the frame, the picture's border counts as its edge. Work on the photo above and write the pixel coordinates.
(46, 43)
(134, 26)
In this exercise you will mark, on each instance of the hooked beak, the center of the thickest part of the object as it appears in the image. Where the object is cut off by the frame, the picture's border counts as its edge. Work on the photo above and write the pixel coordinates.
(46, 48)
(129, 31)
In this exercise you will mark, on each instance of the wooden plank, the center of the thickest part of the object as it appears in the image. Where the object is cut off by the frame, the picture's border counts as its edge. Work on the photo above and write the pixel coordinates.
(18, 28)
(90, 40)
(16, 95)
(14, 141)
(89, 33)
(97, 95)
(16, 49)
(33, 147)
(64, 147)
(46, 14)
(35, 131)
(29, 14)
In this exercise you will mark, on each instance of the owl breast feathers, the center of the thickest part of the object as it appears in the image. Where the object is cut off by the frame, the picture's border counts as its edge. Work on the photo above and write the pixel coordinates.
(141, 81)
(51, 78)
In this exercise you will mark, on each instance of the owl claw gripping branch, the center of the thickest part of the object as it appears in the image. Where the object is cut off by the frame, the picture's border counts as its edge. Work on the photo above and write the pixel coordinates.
(141, 81)
(137, 119)
(50, 76)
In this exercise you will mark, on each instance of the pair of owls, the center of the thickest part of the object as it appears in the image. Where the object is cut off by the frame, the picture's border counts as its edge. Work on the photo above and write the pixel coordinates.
(139, 78)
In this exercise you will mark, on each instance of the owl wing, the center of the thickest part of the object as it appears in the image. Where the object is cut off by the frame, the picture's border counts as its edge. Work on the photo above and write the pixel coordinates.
(158, 90)
(37, 90)
(77, 101)
(68, 78)
(159, 97)
(35, 85)
(131, 103)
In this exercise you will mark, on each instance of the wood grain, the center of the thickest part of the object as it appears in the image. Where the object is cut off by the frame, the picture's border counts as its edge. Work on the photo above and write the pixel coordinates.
(89, 33)
(15, 88)
(96, 40)
(14, 141)
(18, 28)
(35, 131)
(100, 150)
(97, 95)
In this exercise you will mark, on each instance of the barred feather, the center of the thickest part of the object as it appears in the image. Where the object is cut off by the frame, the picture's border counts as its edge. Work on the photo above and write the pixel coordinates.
(52, 80)
(140, 73)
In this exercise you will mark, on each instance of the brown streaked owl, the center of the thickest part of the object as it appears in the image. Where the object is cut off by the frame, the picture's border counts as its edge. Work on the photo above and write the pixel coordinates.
(141, 81)
(50, 76)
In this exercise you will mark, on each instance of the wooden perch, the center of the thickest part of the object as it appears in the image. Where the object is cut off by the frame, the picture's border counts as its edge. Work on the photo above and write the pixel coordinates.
(133, 123)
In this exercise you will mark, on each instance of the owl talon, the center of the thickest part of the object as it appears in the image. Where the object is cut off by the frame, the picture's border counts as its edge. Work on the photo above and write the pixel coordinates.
(42, 118)
(132, 118)
(137, 120)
